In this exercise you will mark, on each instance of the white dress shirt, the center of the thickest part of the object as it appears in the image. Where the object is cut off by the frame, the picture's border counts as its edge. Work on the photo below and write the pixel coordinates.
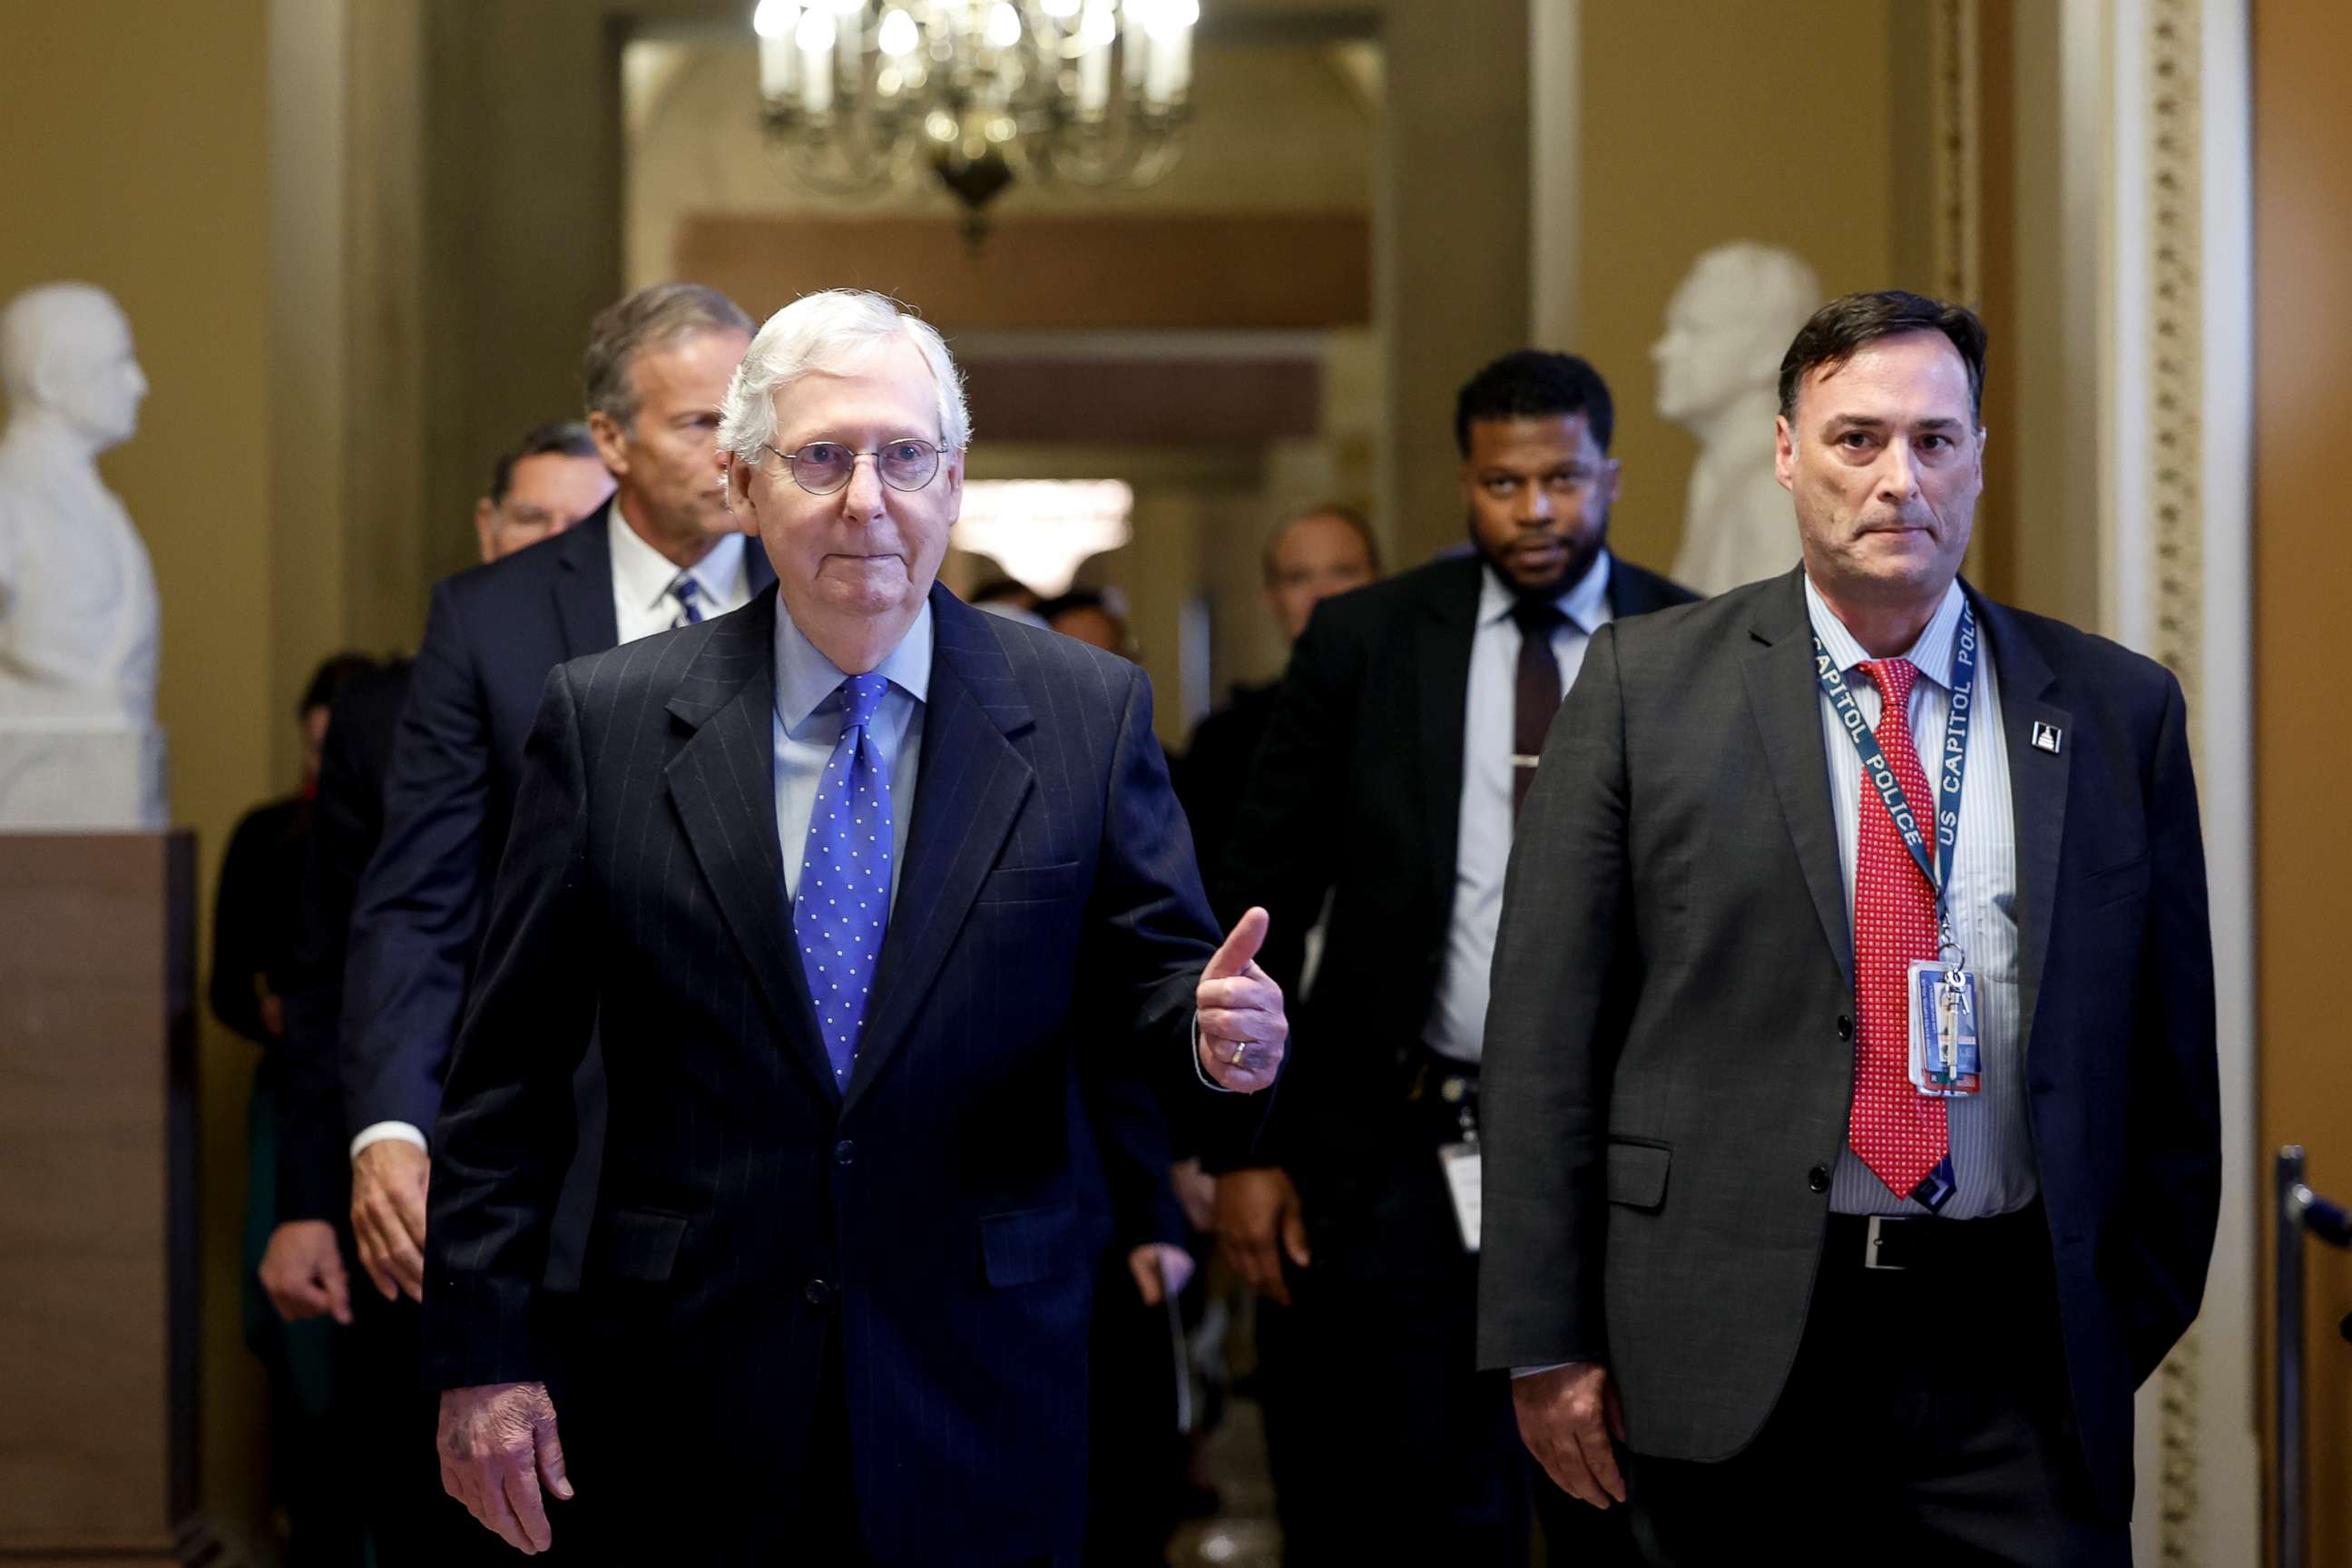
(1457, 1026)
(1992, 1152)
(644, 603)
(644, 580)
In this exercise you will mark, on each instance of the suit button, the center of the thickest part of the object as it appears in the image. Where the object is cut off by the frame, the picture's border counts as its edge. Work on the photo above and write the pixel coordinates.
(844, 1152)
(1818, 1178)
(1845, 1026)
(818, 1292)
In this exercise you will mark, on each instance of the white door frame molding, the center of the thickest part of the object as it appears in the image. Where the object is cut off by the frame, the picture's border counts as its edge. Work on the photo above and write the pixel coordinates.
(2177, 558)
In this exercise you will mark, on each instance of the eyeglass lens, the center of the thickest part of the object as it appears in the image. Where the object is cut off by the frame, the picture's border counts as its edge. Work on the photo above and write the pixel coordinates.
(822, 467)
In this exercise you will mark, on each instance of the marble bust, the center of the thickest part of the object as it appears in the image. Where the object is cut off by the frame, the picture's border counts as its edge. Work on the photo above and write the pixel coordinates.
(1718, 369)
(78, 608)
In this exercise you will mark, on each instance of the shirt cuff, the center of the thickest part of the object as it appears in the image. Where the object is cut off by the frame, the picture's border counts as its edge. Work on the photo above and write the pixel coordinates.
(384, 1129)
(1199, 1070)
(1519, 1372)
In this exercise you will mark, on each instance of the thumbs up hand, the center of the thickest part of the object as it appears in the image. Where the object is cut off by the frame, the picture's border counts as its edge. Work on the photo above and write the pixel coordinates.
(1237, 1013)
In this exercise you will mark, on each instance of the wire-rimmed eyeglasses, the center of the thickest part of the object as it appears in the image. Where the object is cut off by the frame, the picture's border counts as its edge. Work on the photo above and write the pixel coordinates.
(822, 467)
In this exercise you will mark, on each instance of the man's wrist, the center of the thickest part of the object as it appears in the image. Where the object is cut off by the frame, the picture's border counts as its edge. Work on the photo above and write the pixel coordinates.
(378, 1131)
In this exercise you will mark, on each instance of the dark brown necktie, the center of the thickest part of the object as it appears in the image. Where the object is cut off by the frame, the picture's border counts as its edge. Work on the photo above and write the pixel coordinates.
(1536, 694)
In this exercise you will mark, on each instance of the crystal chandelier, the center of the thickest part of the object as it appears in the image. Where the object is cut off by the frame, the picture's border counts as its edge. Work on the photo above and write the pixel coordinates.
(863, 94)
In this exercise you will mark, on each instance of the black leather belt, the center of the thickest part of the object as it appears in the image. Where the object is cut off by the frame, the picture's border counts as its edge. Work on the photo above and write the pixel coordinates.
(1924, 1244)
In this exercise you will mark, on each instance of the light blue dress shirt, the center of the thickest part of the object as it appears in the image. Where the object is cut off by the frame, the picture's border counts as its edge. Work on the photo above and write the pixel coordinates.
(1992, 1150)
(1457, 1026)
(808, 725)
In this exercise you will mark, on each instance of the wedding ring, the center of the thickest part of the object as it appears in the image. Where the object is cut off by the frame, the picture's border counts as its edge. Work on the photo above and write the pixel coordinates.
(1235, 1059)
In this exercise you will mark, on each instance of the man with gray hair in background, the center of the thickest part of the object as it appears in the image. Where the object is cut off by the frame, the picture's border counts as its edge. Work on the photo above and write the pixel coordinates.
(660, 553)
(835, 1298)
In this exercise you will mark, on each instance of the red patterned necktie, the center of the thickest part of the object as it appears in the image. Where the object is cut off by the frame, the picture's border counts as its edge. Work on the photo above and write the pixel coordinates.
(1899, 1132)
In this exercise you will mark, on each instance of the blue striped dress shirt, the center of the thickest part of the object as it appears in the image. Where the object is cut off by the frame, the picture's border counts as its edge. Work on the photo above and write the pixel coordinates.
(1993, 1151)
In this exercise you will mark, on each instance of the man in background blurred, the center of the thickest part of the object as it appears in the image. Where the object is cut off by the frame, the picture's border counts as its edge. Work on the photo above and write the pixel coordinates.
(661, 553)
(1386, 791)
(1309, 555)
(549, 481)
(1096, 617)
(552, 478)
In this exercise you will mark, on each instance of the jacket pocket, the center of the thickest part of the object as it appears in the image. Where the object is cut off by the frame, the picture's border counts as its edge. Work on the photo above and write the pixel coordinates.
(1031, 884)
(642, 1244)
(2116, 883)
(1029, 1245)
(1637, 1175)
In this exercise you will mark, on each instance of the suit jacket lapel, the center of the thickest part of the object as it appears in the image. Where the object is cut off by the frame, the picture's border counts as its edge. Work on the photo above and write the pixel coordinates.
(722, 782)
(1441, 657)
(583, 586)
(2037, 788)
(1783, 690)
(970, 788)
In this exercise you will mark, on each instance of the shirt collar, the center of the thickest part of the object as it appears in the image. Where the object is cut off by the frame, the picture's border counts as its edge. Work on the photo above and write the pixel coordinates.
(1932, 652)
(806, 680)
(1586, 605)
(641, 575)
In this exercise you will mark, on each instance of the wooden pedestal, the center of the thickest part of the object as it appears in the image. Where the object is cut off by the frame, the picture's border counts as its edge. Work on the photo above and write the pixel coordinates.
(98, 1186)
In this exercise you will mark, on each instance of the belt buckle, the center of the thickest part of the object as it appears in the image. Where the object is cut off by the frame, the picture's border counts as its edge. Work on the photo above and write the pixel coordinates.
(1873, 1235)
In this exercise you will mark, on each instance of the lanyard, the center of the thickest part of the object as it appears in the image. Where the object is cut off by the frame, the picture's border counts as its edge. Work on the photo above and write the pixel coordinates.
(1955, 760)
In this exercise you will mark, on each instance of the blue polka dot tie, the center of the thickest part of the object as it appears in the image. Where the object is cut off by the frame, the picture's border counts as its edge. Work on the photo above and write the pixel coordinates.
(842, 906)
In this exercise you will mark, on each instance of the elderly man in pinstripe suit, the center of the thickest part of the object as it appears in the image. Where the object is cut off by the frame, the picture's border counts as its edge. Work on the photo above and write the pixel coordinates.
(833, 877)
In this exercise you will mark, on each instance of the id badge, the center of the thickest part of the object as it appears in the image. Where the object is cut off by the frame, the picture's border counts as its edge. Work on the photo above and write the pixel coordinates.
(1460, 1163)
(1944, 1053)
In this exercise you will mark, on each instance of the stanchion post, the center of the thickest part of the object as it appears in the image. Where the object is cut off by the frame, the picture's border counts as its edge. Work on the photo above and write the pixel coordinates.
(2291, 1198)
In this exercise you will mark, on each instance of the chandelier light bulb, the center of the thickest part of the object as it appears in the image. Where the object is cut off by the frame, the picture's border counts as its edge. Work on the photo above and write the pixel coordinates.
(848, 8)
(1100, 28)
(816, 31)
(898, 37)
(776, 18)
(1169, 18)
(1003, 26)
(1060, 10)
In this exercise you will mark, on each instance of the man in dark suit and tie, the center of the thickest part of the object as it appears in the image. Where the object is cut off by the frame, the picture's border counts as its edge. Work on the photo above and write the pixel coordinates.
(661, 553)
(1853, 1149)
(849, 884)
(1401, 737)
(550, 479)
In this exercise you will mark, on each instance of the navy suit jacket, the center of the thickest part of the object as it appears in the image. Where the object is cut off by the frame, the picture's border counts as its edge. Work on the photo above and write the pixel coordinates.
(314, 1168)
(1669, 1065)
(493, 634)
(924, 1233)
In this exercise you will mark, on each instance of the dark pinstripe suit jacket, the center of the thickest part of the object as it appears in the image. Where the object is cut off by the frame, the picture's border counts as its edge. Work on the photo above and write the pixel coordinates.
(927, 1226)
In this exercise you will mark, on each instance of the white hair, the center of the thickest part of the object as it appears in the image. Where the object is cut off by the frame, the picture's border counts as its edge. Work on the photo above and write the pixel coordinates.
(833, 331)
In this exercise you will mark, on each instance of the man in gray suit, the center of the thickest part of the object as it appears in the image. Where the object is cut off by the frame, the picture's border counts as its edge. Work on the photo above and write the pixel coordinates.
(1853, 1149)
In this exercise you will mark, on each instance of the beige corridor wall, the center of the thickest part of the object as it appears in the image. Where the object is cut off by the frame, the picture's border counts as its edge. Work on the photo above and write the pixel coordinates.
(137, 139)
(1768, 122)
